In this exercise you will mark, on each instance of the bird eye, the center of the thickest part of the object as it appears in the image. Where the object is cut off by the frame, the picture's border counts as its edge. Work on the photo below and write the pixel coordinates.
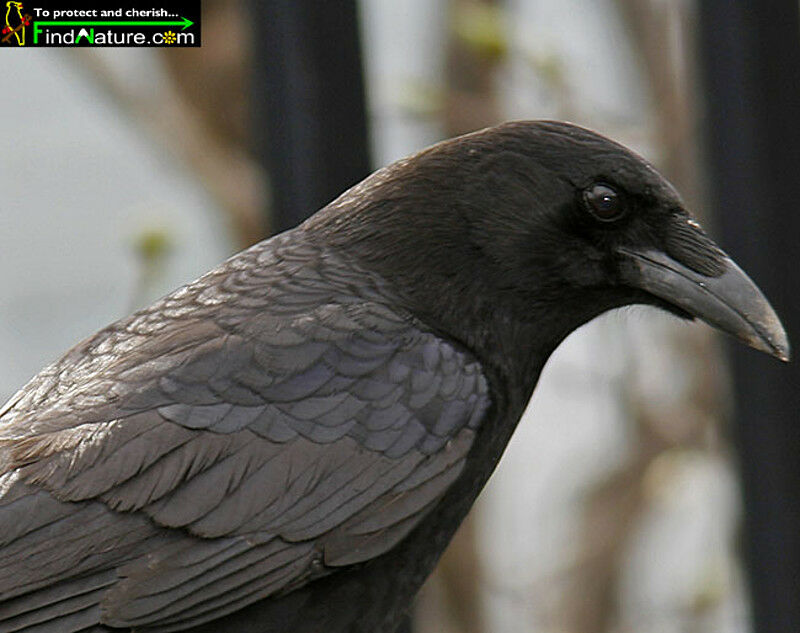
(603, 202)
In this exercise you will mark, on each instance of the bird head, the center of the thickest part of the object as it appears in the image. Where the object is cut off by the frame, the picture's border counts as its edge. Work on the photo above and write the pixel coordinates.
(544, 224)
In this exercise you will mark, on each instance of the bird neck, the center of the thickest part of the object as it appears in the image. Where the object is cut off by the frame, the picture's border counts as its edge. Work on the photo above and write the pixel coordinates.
(427, 265)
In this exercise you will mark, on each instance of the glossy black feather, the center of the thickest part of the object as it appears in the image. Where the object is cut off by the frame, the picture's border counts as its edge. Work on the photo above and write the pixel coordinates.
(290, 442)
(268, 433)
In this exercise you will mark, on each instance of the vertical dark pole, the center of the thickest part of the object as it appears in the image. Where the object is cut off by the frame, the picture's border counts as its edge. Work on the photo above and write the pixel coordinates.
(750, 51)
(309, 114)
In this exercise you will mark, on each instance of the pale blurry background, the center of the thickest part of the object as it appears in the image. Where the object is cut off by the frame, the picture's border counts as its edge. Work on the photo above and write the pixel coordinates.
(616, 507)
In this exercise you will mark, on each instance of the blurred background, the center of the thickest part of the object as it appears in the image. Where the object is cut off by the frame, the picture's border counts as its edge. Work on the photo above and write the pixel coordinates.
(654, 483)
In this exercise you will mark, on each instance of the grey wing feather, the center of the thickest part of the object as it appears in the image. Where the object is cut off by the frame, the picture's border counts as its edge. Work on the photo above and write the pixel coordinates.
(300, 428)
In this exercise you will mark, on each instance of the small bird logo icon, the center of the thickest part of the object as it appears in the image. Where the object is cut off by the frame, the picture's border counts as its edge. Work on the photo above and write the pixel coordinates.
(15, 23)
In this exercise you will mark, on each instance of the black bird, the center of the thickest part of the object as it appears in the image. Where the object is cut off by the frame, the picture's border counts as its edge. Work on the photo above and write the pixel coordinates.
(289, 442)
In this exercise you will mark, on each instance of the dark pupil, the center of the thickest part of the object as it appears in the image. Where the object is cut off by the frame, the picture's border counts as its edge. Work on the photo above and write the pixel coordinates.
(604, 201)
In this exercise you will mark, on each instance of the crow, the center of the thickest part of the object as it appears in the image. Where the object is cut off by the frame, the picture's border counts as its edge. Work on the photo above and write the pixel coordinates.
(287, 444)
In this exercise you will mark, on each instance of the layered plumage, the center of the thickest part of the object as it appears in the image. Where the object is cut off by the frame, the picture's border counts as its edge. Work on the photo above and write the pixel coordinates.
(302, 429)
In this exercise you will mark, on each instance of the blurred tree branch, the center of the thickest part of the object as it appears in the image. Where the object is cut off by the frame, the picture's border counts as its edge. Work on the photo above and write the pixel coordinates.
(200, 118)
(661, 32)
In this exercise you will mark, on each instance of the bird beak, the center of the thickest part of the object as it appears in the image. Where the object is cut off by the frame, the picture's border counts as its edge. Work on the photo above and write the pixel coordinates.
(730, 302)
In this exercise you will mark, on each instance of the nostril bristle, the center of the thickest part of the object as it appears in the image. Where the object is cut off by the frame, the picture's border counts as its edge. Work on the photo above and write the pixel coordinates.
(688, 243)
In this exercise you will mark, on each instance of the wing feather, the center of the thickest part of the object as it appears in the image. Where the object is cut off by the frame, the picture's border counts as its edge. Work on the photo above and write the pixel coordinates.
(251, 432)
